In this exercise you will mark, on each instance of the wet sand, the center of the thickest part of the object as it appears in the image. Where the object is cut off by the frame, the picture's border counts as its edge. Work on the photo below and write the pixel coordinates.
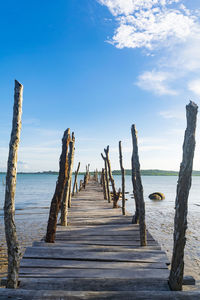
(28, 231)
(162, 231)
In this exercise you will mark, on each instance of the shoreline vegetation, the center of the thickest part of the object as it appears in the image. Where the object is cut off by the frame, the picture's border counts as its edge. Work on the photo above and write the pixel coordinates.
(150, 172)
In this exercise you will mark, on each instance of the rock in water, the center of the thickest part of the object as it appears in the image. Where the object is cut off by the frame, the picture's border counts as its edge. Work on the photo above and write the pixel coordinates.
(157, 196)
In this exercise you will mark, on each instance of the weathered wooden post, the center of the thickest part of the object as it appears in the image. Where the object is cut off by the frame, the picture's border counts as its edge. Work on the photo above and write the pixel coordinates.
(88, 175)
(115, 195)
(70, 194)
(104, 185)
(9, 204)
(135, 219)
(138, 188)
(101, 178)
(85, 181)
(76, 187)
(182, 193)
(97, 180)
(106, 178)
(123, 178)
(57, 197)
(75, 179)
(80, 185)
(66, 195)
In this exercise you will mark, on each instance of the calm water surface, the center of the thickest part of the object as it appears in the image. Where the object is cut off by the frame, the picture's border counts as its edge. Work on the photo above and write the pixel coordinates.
(34, 193)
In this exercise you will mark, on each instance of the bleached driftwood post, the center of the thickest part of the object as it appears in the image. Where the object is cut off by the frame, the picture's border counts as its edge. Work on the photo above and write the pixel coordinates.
(75, 179)
(135, 219)
(101, 178)
(70, 194)
(58, 194)
(9, 205)
(80, 185)
(66, 194)
(88, 173)
(138, 188)
(182, 193)
(106, 179)
(104, 184)
(96, 176)
(123, 178)
(115, 195)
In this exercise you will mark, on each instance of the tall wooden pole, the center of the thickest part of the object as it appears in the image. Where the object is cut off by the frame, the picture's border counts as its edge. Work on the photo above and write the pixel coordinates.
(70, 194)
(104, 185)
(57, 197)
(135, 219)
(123, 178)
(101, 178)
(75, 179)
(115, 195)
(182, 193)
(9, 205)
(80, 185)
(138, 188)
(66, 195)
(106, 178)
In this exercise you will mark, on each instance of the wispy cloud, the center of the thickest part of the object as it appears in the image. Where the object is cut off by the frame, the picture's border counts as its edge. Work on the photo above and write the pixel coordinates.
(156, 82)
(194, 86)
(155, 25)
(148, 23)
(169, 114)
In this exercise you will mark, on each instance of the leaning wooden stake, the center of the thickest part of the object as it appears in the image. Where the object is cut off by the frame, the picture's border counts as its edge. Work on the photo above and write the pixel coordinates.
(80, 185)
(76, 187)
(70, 194)
(66, 194)
(123, 178)
(182, 193)
(135, 219)
(138, 188)
(9, 205)
(106, 179)
(101, 178)
(75, 179)
(57, 198)
(115, 194)
(104, 185)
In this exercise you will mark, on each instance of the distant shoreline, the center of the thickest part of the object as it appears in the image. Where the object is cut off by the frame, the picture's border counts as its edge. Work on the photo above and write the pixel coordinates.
(151, 172)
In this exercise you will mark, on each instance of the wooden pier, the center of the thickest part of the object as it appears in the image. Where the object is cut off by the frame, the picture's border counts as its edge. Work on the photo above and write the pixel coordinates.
(97, 256)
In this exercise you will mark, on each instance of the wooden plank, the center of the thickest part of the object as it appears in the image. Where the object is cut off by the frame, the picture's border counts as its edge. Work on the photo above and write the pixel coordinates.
(61, 253)
(111, 295)
(85, 247)
(104, 242)
(95, 284)
(100, 238)
(123, 227)
(135, 273)
(97, 221)
(53, 263)
(99, 251)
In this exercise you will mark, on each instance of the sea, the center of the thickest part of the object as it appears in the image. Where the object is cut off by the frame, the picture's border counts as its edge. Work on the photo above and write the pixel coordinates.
(35, 191)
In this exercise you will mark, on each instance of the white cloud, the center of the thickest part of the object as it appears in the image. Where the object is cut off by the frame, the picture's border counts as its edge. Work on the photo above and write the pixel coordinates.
(194, 86)
(160, 24)
(148, 23)
(156, 82)
(168, 114)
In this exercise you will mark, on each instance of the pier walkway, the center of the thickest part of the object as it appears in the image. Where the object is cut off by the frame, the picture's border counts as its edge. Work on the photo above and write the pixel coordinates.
(98, 256)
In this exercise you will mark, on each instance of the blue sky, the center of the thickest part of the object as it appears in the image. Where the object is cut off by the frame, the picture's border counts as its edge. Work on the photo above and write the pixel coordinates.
(97, 67)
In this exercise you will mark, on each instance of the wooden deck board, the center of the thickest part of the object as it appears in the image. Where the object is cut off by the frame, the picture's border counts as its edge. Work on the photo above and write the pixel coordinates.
(99, 252)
